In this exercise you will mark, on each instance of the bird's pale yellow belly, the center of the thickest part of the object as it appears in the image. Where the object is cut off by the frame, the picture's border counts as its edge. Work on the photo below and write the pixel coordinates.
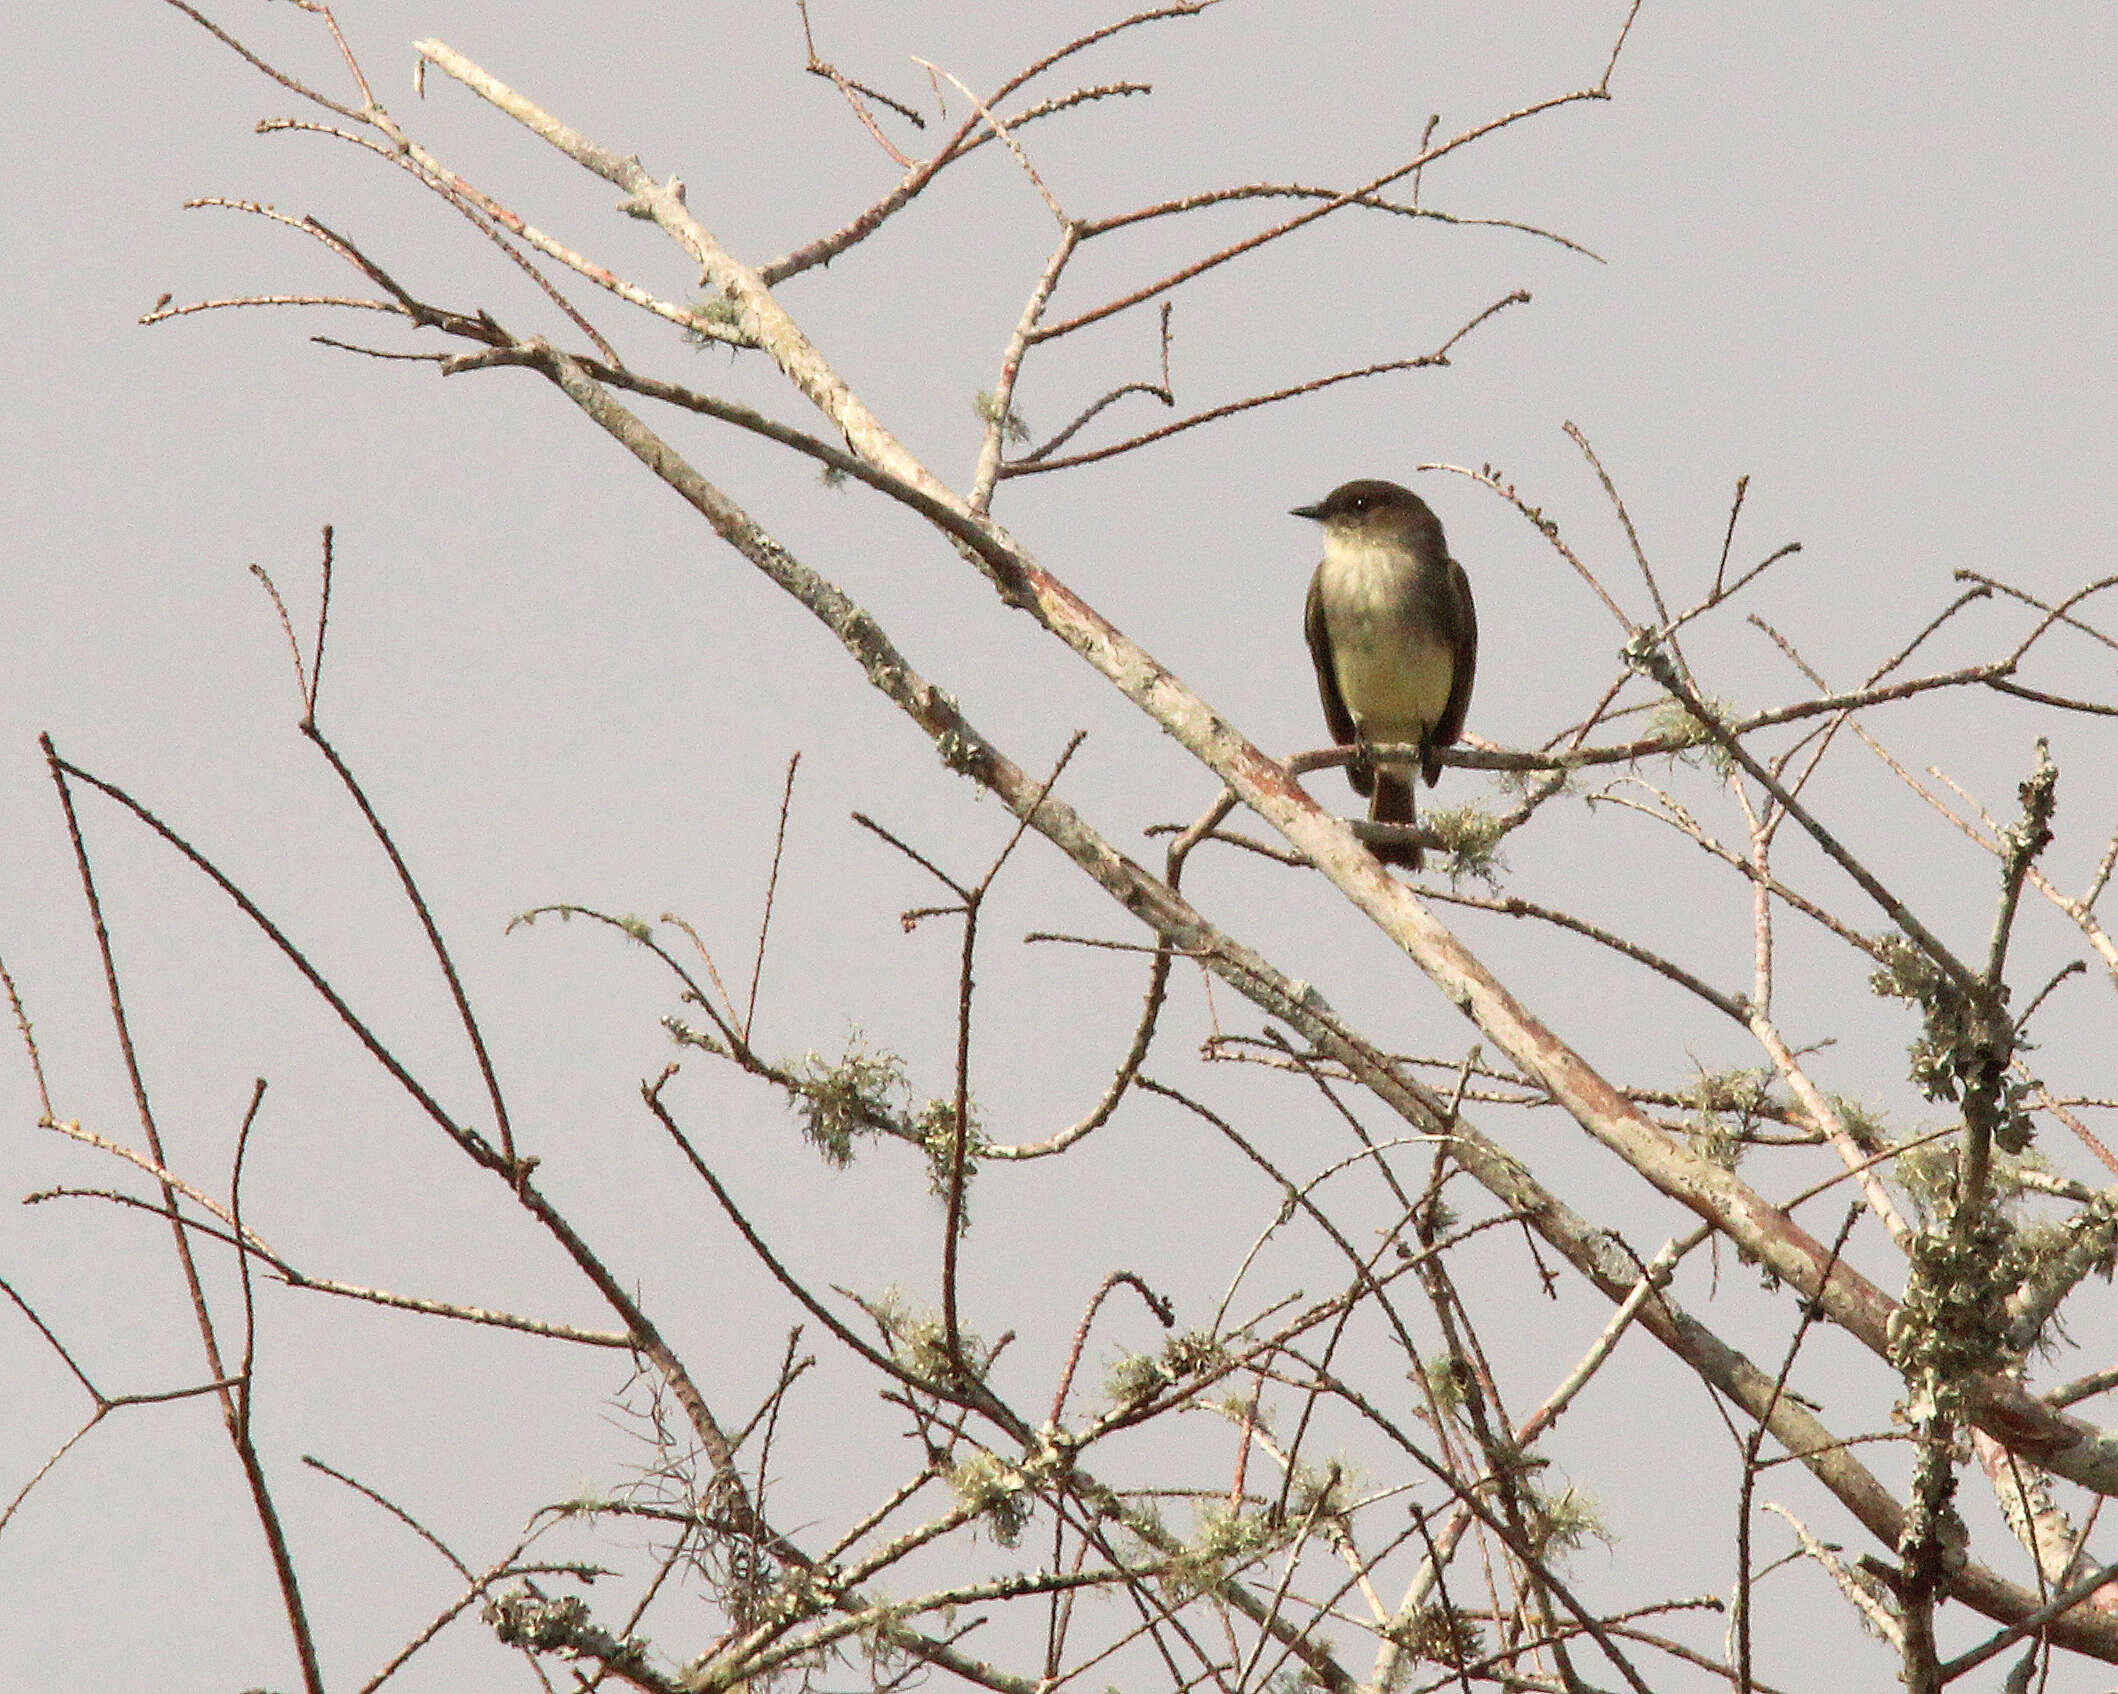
(1394, 689)
(1393, 675)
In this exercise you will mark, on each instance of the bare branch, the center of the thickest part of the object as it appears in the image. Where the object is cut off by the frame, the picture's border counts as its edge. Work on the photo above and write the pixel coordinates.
(1034, 464)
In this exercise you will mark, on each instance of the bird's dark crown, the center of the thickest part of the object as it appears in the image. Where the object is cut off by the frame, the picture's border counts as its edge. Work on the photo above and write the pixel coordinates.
(1371, 504)
(1366, 494)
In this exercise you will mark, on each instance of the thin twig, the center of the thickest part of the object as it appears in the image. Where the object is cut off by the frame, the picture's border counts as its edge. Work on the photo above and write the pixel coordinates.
(772, 883)
(1424, 361)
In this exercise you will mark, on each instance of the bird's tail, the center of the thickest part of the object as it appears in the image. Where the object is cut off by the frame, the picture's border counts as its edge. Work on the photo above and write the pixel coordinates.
(1393, 804)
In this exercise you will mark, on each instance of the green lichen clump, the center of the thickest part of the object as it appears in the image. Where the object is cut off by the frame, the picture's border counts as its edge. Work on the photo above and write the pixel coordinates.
(859, 1093)
(1960, 1053)
(997, 1492)
(1472, 835)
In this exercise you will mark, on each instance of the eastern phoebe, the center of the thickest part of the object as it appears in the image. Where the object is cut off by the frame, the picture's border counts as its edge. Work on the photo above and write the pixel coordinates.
(1394, 637)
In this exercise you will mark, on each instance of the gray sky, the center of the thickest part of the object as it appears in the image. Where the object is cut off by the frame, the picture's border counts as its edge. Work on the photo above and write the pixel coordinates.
(1862, 254)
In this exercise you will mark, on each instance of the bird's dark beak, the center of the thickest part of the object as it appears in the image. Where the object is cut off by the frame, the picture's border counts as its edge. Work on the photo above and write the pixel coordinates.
(1315, 513)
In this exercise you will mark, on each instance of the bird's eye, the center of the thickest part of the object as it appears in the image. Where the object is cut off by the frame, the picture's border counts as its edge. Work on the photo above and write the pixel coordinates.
(1360, 502)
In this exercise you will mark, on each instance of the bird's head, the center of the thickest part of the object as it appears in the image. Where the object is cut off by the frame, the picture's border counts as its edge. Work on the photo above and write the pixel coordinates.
(1371, 511)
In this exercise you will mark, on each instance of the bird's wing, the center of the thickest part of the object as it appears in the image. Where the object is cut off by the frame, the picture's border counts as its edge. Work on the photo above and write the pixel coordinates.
(1319, 637)
(1336, 716)
(1464, 640)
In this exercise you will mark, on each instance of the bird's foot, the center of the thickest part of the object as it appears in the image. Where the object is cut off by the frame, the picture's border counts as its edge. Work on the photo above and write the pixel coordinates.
(1362, 769)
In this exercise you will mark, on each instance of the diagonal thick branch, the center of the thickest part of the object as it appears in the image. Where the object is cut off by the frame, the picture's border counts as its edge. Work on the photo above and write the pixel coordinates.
(2066, 1445)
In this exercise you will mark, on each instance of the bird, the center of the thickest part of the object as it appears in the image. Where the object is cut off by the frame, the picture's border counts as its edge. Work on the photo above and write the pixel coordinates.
(1394, 637)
